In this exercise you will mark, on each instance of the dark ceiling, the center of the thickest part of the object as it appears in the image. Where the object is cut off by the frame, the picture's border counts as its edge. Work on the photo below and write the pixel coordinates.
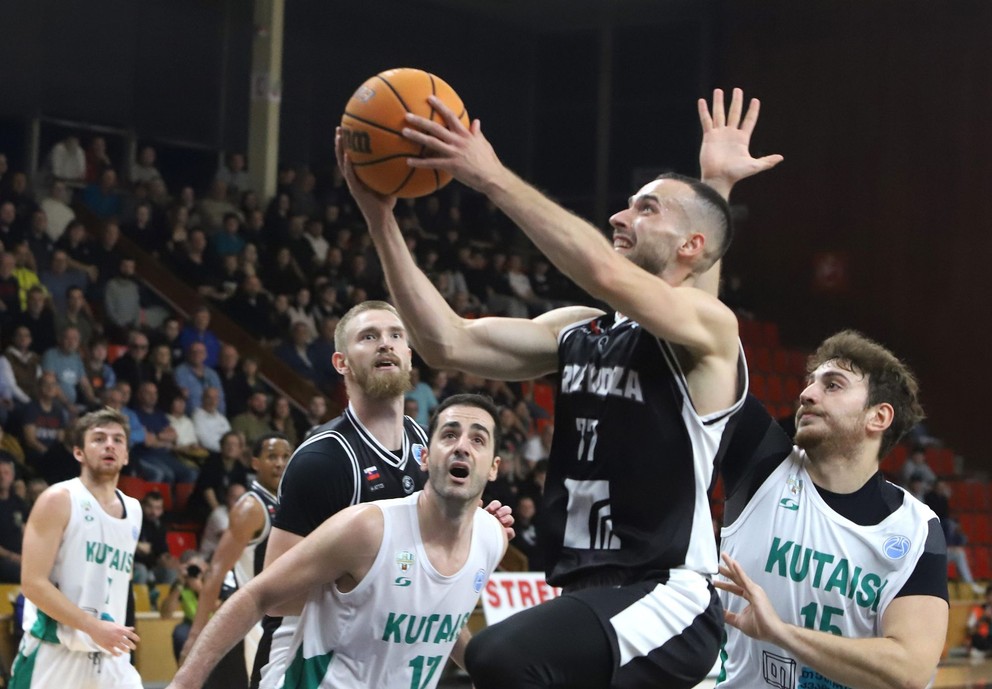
(569, 15)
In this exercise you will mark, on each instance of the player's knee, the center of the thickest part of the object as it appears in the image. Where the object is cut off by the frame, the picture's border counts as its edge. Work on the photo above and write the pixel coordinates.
(489, 658)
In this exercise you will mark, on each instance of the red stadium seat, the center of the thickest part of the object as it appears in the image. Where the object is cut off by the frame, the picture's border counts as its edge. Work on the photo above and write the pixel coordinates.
(769, 334)
(750, 333)
(780, 360)
(758, 388)
(183, 493)
(132, 486)
(776, 391)
(180, 541)
(941, 460)
(759, 360)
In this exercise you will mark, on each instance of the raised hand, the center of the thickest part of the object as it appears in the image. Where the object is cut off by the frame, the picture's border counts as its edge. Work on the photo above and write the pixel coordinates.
(724, 157)
(759, 619)
(463, 152)
(372, 204)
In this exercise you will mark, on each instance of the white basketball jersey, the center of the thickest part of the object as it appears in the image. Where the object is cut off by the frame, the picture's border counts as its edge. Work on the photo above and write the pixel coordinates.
(92, 568)
(395, 629)
(819, 569)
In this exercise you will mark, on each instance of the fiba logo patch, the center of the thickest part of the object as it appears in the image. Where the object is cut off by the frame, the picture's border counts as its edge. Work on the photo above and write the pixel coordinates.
(417, 451)
(408, 484)
(896, 547)
(480, 580)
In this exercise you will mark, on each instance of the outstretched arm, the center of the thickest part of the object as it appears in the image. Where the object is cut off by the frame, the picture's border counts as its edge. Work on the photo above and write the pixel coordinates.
(725, 157)
(500, 348)
(344, 545)
(905, 655)
(677, 314)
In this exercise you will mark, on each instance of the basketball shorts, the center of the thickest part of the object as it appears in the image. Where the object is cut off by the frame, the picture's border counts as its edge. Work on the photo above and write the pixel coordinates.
(42, 665)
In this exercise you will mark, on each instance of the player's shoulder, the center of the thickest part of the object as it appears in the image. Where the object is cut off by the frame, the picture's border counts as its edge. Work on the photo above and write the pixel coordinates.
(53, 505)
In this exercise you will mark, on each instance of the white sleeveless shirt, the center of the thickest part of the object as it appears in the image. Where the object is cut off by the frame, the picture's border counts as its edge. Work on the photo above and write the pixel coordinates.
(92, 568)
(819, 569)
(395, 629)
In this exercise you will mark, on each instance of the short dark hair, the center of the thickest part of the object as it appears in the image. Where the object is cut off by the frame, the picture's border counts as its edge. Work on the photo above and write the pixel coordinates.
(465, 399)
(721, 225)
(152, 495)
(256, 448)
(889, 379)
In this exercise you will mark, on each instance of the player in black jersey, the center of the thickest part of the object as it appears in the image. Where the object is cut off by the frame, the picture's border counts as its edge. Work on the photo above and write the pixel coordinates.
(835, 577)
(241, 550)
(646, 395)
(370, 452)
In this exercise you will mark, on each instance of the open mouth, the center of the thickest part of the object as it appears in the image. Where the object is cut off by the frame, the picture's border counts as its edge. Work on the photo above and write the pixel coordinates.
(622, 242)
(386, 364)
(458, 470)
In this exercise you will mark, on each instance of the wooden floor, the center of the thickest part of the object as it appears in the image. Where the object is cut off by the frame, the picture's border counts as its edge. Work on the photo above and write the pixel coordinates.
(954, 673)
(961, 673)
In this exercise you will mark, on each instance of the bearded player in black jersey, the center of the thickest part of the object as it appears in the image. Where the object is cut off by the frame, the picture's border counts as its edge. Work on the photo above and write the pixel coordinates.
(647, 394)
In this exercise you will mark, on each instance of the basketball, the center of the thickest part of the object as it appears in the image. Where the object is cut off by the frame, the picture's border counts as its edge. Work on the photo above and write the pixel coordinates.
(373, 120)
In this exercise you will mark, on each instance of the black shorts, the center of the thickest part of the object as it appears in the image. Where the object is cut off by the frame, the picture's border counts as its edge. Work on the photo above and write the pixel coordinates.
(656, 633)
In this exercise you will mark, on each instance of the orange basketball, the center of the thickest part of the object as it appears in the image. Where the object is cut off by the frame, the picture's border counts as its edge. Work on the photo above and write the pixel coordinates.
(373, 120)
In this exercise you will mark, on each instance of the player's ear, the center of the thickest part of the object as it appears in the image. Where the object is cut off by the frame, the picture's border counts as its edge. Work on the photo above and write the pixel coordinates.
(339, 362)
(880, 417)
(494, 469)
(423, 458)
(693, 244)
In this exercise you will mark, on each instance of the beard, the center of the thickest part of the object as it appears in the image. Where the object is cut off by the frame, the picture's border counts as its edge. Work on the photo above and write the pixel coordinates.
(840, 438)
(383, 384)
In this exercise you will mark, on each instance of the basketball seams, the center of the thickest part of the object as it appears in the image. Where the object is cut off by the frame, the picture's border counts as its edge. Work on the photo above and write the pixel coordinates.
(373, 124)
(389, 172)
(396, 93)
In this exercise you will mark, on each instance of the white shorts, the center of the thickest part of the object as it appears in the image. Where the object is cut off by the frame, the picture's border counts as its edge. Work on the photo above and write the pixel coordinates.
(42, 665)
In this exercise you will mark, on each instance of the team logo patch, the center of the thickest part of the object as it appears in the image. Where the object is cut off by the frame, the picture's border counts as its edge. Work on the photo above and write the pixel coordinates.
(408, 484)
(795, 484)
(404, 558)
(417, 451)
(602, 342)
(479, 581)
(896, 547)
(371, 474)
(789, 504)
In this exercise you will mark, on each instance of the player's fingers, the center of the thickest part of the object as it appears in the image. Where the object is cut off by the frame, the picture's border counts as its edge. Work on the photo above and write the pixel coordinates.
(719, 116)
(770, 161)
(704, 115)
(449, 116)
(751, 116)
(731, 618)
(427, 128)
(736, 107)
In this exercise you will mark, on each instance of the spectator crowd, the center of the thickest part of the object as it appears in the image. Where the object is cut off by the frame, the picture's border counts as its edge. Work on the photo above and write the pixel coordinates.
(81, 329)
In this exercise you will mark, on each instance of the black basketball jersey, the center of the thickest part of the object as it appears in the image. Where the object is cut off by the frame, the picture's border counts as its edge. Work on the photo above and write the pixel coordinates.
(631, 460)
(343, 464)
(261, 542)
